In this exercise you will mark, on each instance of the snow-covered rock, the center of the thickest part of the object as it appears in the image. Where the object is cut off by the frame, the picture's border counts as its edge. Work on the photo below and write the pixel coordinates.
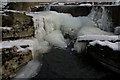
(8, 28)
(114, 46)
(87, 30)
(98, 37)
(34, 45)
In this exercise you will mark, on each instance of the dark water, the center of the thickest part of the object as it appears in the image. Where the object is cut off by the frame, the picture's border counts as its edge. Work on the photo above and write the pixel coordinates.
(60, 63)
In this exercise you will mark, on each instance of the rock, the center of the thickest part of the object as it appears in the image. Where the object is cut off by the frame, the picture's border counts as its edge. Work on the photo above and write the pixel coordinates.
(13, 61)
(105, 56)
(27, 6)
(21, 26)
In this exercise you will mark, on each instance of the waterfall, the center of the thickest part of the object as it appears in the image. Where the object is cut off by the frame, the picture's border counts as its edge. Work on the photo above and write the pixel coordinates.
(105, 20)
(101, 17)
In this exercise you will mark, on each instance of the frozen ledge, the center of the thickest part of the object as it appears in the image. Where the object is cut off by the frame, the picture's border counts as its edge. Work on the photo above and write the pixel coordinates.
(99, 37)
(17, 43)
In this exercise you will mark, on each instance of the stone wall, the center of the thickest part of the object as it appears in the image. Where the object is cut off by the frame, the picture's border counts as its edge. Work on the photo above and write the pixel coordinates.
(21, 26)
(26, 6)
(15, 25)
(12, 61)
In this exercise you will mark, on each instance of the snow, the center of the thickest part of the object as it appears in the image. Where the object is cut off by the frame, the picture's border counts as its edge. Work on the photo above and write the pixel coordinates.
(9, 44)
(8, 28)
(60, 3)
(23, 49)
(86, 4)
(114, 46)
(15, 11)
(99, 37)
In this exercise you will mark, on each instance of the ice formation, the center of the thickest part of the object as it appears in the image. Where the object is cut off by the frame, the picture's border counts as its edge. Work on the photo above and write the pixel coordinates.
(101, 17)
(52, 27)
(56, 38)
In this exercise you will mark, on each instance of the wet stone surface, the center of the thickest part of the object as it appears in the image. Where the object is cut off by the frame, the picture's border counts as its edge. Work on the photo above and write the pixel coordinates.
(63, 64)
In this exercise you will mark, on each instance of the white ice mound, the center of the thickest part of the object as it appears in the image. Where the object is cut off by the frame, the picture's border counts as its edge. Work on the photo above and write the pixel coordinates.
(86, 21)
(86, 30)
(71, 26)
(40, 47)
(56, 39)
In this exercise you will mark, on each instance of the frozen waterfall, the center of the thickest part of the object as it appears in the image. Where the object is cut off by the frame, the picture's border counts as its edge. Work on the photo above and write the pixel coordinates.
(51, 27)
(101, 17)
